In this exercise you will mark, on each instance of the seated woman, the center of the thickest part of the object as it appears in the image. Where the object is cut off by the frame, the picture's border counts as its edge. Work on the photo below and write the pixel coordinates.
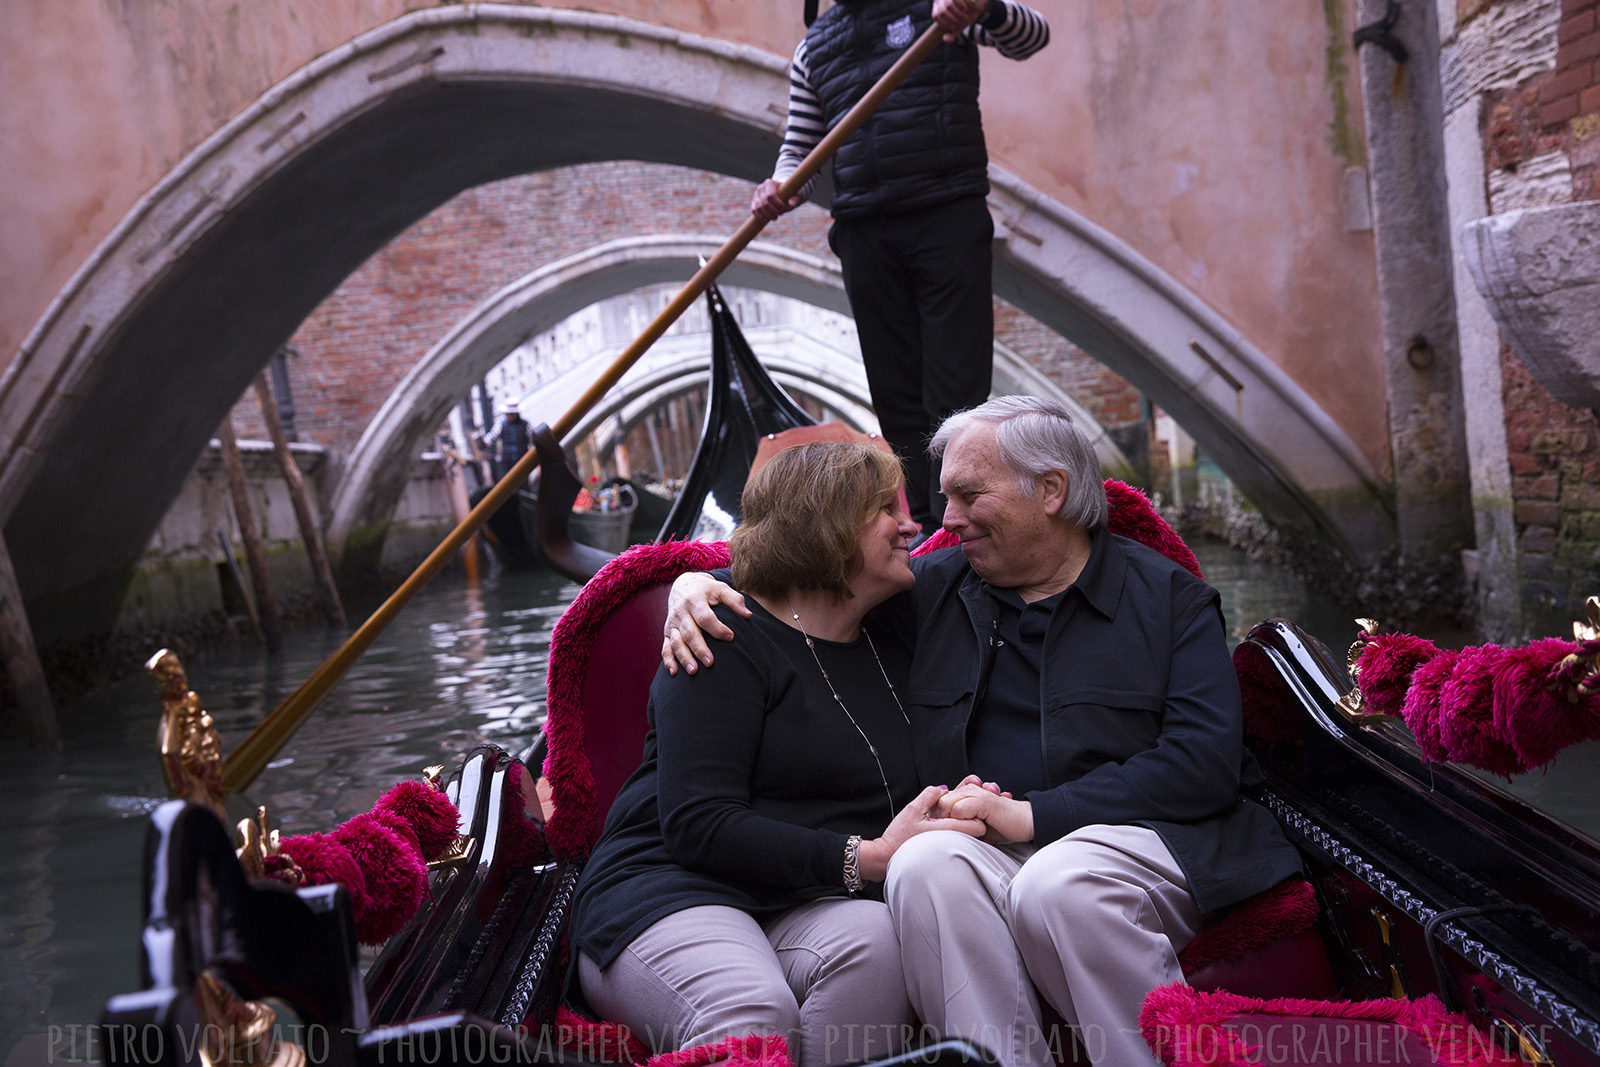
(734, 889)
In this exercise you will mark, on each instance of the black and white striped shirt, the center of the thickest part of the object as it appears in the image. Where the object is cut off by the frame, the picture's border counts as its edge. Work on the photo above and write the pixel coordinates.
(1017, 33)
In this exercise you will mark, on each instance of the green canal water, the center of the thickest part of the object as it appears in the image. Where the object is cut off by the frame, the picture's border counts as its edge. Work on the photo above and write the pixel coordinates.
(461, 664)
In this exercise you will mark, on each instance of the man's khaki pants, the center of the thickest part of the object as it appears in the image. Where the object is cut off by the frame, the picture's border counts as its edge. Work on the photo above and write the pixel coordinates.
(1093, 921)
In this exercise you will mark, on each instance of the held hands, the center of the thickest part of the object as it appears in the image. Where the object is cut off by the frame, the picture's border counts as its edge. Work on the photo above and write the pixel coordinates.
(690, 618)
(919, 816)
(956, 15)
(1004, 819)
(767, 205)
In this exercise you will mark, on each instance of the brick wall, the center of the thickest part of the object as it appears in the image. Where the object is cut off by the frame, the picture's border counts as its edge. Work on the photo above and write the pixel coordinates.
(1554, 448)
(1555, 468)
(1558, 110)
(354, 348)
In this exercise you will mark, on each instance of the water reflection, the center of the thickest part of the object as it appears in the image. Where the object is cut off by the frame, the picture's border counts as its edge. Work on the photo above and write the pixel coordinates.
(1253, 591)
(460, 665)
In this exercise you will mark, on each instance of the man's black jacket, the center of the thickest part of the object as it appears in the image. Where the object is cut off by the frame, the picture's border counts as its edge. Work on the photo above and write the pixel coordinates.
(1140, 719)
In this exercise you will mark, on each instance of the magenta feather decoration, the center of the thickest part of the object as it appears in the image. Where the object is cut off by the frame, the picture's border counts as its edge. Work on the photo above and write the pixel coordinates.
(396, 876)
(323, 860)
(428, 812)
(1422, 707)
(1536, 722)
(1385, 668)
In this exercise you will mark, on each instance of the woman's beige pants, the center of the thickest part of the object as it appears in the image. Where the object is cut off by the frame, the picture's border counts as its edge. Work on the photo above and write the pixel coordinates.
(827, 974)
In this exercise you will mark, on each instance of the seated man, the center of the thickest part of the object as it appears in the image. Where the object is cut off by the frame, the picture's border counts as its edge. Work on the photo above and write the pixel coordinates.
(1089, 677)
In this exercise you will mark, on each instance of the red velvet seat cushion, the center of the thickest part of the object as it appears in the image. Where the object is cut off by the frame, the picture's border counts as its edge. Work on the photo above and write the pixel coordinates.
(603, 655)
(1264, 946)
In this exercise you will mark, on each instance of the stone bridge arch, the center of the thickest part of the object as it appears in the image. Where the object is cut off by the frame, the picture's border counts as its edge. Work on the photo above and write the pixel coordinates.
(363, 501)
(125, 377)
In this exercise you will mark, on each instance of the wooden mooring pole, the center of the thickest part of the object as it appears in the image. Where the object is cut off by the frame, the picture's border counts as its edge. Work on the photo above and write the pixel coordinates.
(35, 711)
(320, 571)
(455, 475)
(255, 555)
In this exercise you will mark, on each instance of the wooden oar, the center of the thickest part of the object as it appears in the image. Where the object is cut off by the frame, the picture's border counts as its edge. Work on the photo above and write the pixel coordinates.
(255, 751)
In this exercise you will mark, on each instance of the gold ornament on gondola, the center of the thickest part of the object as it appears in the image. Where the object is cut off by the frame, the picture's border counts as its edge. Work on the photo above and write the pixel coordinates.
(239, 1031)
(461, 847)
(1584, 631)
(259, 846)
(1352, 704)
(191, 750)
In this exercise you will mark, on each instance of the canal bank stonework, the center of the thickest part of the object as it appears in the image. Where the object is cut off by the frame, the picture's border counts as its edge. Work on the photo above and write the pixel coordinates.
(1522, 100)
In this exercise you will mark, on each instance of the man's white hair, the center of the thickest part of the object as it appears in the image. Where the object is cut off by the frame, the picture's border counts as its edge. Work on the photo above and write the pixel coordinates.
(1034, 436)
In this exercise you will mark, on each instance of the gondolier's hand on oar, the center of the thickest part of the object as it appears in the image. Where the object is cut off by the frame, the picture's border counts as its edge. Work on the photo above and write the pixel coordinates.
(956, 15)
(767, 205)
(690, 619)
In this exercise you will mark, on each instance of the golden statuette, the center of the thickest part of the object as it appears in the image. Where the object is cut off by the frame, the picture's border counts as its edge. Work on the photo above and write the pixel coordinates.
(1587, 629)
(1352, 703)
(191, 750)
(239, 1031)
(258, 842)
(461, 847)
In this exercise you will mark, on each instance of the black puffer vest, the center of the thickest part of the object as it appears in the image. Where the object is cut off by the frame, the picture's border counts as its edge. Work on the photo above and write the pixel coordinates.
(924, 145)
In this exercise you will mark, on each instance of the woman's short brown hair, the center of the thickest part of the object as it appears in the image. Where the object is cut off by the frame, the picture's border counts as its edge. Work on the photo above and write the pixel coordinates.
(803, 516)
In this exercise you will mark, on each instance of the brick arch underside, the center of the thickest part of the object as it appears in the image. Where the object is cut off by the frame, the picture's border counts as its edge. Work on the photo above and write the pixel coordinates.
(117, 389)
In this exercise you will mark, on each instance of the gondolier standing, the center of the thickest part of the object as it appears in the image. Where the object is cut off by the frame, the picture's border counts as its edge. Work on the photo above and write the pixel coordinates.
(911, 226)
(508, 440)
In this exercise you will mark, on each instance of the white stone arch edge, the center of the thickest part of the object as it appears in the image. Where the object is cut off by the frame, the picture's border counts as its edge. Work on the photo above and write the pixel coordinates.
(461, 43)
(366, 488)
(1270, 436)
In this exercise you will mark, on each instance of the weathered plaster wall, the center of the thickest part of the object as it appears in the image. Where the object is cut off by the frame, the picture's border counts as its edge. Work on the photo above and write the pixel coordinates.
(1215, 141)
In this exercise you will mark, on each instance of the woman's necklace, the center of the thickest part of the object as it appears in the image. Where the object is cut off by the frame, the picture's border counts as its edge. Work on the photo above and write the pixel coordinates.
(840, 700)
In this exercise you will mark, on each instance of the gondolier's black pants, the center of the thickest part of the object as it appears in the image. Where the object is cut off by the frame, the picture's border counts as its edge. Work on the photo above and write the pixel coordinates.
(920, 287)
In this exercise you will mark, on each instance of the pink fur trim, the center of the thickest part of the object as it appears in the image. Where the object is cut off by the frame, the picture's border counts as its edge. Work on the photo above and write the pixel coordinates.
(1186, 1029)
(429, 813)
(1385, 666)
(1265, 699)
(941, 539)
(396, 877)
(1487, 706)
(522, 842)
(1467, 726)
(323, 860)
(1536, 722)
(1134, 517)
(1422, 706)
(573, 825)
(1284, 910)
(755, 1050)
(603, 1041)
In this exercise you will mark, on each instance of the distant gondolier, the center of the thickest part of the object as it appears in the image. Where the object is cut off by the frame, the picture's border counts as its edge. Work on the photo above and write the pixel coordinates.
(507, 441)
(911, 227)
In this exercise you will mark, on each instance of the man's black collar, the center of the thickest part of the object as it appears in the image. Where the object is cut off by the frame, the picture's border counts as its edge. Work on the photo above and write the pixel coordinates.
(1100, 581)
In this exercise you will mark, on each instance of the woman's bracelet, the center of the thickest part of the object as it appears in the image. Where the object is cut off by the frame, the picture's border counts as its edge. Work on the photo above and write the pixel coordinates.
(852, 863)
